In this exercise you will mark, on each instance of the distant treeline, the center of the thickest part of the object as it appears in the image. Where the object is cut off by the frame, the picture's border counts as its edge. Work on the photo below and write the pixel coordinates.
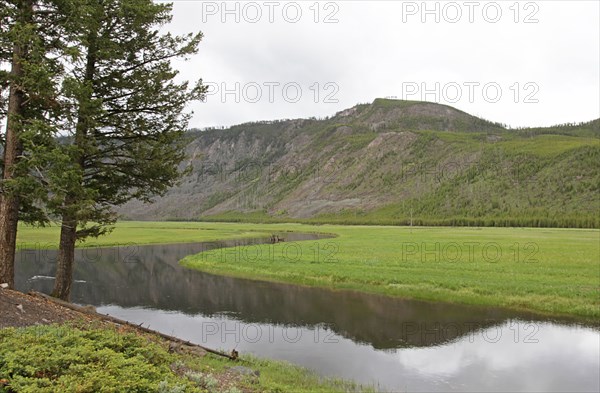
(590, 128)
(520, 222)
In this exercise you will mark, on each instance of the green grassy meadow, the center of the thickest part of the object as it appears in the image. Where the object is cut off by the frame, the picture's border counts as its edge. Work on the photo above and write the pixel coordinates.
(128, 232)
(550, 271)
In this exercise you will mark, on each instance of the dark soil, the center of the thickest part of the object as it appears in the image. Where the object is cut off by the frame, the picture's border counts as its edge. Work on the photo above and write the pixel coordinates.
(18, 309)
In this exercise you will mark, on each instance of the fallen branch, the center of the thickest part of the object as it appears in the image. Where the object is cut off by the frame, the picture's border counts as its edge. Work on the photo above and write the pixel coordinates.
(89, 310)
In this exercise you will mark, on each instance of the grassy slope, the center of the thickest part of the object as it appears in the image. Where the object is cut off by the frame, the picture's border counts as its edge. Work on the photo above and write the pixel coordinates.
(553, 271)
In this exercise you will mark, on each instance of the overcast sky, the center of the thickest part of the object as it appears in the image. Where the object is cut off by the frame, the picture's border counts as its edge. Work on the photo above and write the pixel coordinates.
(522, 63)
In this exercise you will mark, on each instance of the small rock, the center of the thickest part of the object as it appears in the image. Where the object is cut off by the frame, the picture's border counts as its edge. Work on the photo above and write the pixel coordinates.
(4, 285)
(45, 320)
(174, 347)
(196, 351)
(20, 308)
(189, 349)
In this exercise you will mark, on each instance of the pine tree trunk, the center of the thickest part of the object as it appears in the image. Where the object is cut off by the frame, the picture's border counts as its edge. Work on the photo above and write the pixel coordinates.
(9, 204)
(68, 232)
(65, 263)
(9, 215)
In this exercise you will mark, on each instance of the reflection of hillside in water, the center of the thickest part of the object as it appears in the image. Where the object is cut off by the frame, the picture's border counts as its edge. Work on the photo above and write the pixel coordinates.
(150, 277)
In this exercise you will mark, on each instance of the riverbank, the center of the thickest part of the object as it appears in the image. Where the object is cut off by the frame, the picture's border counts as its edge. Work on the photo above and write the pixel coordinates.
(554, 272)
(142, 232)
(47, 347)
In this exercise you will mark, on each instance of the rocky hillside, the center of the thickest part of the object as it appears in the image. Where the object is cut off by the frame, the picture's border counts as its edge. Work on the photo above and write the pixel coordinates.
(389, 162)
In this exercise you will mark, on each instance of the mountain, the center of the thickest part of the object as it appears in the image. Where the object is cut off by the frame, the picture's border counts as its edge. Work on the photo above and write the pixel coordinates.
(388, 162)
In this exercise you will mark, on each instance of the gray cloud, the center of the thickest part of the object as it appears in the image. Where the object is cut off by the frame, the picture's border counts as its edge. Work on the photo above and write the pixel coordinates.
(381, 48)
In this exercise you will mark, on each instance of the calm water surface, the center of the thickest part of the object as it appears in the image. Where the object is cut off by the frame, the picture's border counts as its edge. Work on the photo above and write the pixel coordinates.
(393, 344)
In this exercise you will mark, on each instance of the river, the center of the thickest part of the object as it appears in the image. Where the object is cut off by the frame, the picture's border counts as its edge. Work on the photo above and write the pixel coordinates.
(392, 344)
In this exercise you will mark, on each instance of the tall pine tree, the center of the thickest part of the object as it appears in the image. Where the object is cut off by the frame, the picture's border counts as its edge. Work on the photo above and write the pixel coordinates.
(126, 122)
(33, 48)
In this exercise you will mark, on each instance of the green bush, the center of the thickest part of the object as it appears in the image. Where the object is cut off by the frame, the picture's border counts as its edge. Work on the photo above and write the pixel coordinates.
(69, 359)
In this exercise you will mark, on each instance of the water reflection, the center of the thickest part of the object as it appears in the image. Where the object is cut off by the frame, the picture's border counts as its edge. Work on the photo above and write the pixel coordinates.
(395, 343)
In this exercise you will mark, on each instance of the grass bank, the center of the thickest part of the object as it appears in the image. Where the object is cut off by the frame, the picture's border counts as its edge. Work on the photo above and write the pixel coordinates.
(140, 232)
(77, 357)
(551, 271)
